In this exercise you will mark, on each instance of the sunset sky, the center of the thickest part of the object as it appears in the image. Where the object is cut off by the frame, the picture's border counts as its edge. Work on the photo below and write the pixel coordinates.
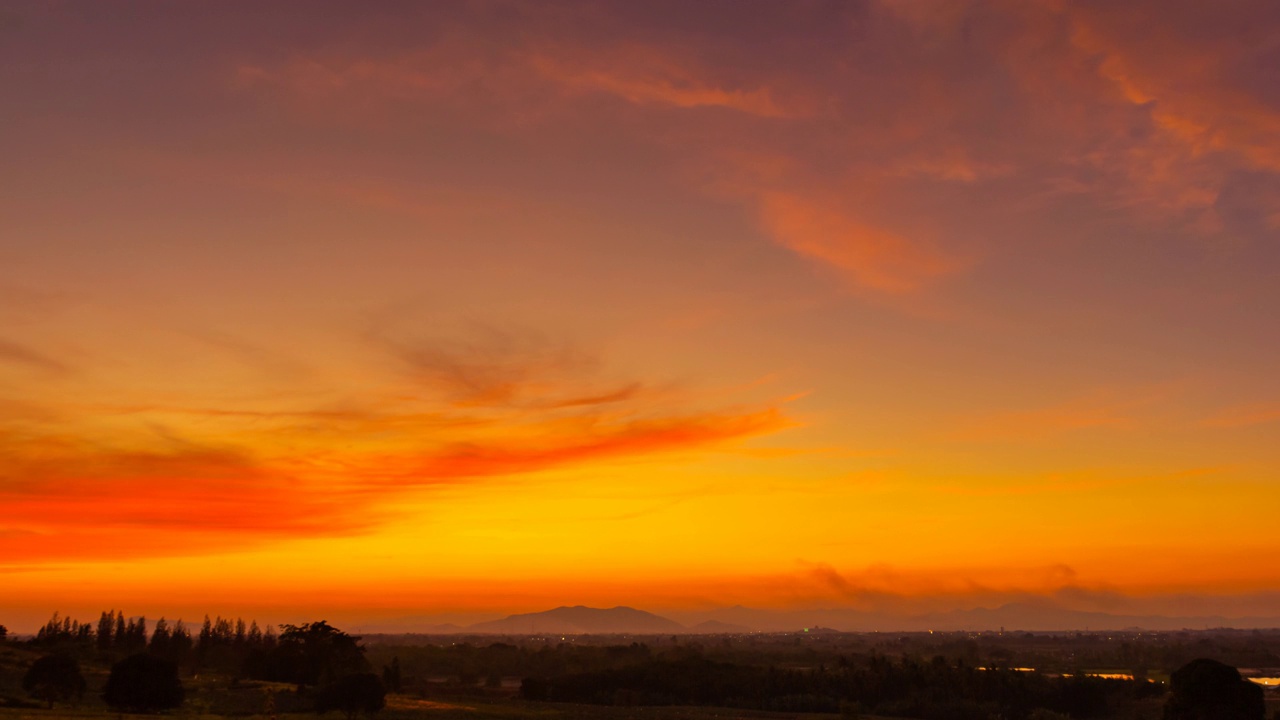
(402, 309)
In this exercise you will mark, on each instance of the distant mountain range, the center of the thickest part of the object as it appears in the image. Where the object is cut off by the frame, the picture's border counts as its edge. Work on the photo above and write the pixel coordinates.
(581, 620)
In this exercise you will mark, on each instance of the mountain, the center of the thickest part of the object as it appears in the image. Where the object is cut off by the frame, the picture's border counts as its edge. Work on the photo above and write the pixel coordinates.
(757, 620)
(580, 620)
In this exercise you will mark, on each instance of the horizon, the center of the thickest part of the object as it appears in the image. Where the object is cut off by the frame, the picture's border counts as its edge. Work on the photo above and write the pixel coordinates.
(475, 309)
(1052, 618)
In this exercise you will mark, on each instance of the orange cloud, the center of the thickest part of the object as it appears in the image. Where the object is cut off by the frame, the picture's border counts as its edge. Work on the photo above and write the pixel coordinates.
(78, 502)
(502, 405)
(637, 439)
(74, 501)
(646, 76)
(1244, 416)
(1184, 79)
(872, 257)
(25, 356)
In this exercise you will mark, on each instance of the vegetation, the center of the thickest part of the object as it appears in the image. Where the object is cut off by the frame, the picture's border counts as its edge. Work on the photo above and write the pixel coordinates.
(230, 667)
(310, 654)
(354, 694)
(1206, 689)
(54, 678)
(907, 688)
(143, 683)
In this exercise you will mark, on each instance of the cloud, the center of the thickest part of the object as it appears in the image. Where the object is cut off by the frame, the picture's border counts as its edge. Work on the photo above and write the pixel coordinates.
(150, 479)
(1137, 115)
(827, 575)
(63, 499)
(646, 76)
(622, 440)
(69, 500)
(493, 367)
(544, 81)
(22, 355)
(872, 257)
(1244, 416)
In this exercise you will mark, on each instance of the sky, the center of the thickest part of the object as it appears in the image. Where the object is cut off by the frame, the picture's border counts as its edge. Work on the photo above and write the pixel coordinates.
(380, 310)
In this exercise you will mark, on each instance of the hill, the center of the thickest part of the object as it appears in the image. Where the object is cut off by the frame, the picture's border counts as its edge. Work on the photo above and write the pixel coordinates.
(581, 620)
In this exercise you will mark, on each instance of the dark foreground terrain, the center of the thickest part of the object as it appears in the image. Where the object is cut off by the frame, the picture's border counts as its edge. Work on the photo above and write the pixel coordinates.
(227, 671)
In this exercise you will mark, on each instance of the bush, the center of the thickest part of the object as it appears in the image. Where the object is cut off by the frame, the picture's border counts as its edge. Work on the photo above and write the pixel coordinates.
(54, 677)
(143, 683)
(1205, 689)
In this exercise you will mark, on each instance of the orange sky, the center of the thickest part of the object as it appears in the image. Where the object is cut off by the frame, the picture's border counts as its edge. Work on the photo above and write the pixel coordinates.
(473, 308)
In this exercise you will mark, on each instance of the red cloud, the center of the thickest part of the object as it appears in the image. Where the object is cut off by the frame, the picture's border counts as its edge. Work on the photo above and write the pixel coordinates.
(70, 500)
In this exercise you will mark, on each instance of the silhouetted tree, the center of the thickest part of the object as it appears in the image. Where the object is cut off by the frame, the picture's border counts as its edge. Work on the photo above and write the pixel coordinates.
(121, 638)
(180, 643)
(54, 677)
(60, 631)
(4, 633)
(205, 640)
(143, 683)
(106, 626)
(391, 675)
(314, 653)
(1206, 689)
(159, 644)
(135, 635)
(353, 694)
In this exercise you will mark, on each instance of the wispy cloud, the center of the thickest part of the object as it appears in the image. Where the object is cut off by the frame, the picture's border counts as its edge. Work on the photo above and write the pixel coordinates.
(1101, 410)
(14, 353)
(648, 76)
(192, 480)
(871, 257)
(629, 439)
(1244, 415)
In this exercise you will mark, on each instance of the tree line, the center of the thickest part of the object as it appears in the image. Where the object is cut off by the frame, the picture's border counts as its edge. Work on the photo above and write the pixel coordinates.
(146, 677)
(220, 643)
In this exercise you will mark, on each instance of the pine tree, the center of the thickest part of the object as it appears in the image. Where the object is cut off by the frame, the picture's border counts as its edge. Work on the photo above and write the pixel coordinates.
(138, 639)
(179, 642)
(121, 639)
(206, 636)
(159, 645)
(105, 625)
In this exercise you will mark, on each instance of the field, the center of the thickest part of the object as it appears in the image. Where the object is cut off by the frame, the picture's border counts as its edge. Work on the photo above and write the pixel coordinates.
(217, 698)
(211, 696)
